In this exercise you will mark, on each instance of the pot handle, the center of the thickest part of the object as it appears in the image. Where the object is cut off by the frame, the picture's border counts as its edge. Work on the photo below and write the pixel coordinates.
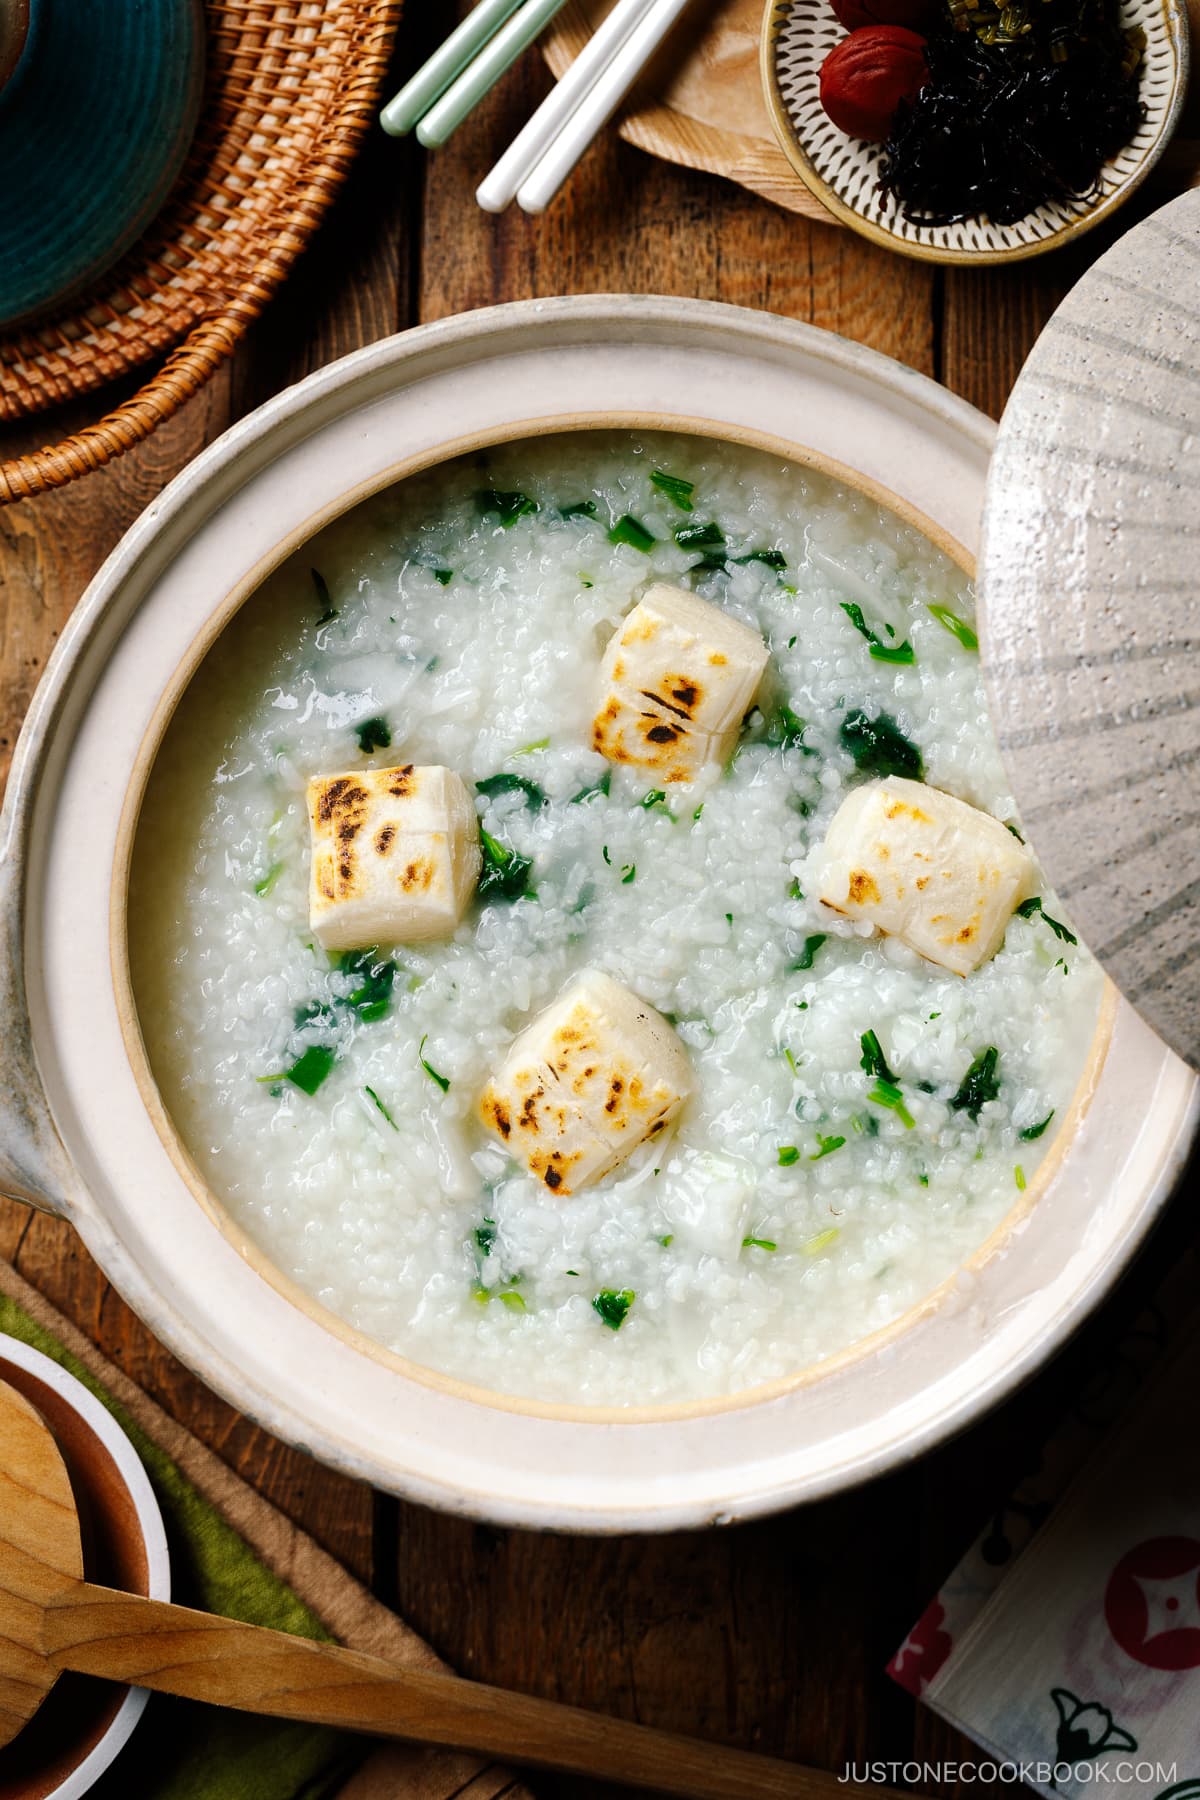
(34, 1166)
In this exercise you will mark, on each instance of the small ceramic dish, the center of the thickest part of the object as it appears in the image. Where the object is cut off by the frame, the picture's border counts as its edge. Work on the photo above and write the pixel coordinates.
(843, 172)
(84, 1724)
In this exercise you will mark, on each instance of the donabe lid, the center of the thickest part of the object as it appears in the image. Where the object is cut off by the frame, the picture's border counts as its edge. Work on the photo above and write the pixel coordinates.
(1090, 594)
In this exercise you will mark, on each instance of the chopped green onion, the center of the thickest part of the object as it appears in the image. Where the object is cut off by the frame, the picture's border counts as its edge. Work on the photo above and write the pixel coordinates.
(631, 531)
(1031, 1133)
(328, 609)
(507, 1296)
(528, 749)
(822, 1240)
(924, 1180)
(612, 1306)
(1014, 831)
(675, 488)
(1026, 911)
(707, 536)
(892, 653)
(580, 509)
(1019, 1177)
(443, 577)
(311, 1067)
(491, 785)
(373, 734)
(879, 747)
(955, 626)
(485, 1237)
(811, 946)
(788, 1154)
(826, 1147)
(795, 892)
(374, 1097)
(886, 1093)
(786, 729)
(697, 813)
(874, 1062)
(510, 505)
(656, 797)
(628, 873)
(770, 559)
(979, 1085)
(790, 1060)
(752, 1243)
(263, 888)
(505, 874)
(667, 1241)
(443, 1081)
(597, 787)
(376, 976)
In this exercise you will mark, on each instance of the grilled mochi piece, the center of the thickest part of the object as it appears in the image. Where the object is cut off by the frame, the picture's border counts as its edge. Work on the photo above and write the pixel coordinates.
(676, 681)
(926, 868)
(586, 1082)
(395, 855)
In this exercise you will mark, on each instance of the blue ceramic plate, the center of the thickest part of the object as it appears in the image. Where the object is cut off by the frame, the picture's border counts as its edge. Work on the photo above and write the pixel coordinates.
(95, 121)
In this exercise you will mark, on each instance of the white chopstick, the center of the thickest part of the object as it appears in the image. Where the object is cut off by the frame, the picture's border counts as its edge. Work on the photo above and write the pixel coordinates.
(535, 138)
(597, 105)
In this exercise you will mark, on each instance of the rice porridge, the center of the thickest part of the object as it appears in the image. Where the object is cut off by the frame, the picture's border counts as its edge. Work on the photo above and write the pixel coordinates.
(849, 1118)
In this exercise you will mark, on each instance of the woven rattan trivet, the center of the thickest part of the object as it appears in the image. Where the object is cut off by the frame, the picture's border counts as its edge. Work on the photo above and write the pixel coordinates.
(292, 87)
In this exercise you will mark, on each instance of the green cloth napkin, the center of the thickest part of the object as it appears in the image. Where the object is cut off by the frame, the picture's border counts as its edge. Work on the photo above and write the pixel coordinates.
(182, 1750)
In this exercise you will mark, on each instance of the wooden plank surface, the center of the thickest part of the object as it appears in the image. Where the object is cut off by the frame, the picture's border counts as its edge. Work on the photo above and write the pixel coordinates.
(772, 1635)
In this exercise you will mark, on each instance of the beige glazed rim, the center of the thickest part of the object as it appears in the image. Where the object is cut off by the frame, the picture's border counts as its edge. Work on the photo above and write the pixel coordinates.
(100, 1153)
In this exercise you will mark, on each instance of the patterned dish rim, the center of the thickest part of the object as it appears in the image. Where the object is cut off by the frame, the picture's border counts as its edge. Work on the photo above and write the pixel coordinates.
(1166, 26)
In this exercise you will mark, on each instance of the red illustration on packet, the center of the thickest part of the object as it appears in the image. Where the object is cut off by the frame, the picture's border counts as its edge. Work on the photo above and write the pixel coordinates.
(1152, 1603)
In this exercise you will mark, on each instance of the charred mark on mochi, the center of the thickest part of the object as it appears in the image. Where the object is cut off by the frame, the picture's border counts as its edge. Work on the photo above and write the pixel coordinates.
(385, 838)
(495, 1111)
(552, 1168)
(616, 1089)
(684, 696)
(401, 782)
(664, 734)
(343, 796)
(418, 874)
(862, 888)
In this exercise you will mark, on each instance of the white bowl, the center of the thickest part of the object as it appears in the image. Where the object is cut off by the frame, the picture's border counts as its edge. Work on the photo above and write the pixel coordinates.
(102, 1463)
(85, 1132)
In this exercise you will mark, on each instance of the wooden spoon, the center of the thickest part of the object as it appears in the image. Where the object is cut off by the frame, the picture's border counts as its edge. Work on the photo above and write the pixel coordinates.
(51, 1619)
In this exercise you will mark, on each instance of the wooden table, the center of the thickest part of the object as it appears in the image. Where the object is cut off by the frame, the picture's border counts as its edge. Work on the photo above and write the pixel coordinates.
(771, 1635)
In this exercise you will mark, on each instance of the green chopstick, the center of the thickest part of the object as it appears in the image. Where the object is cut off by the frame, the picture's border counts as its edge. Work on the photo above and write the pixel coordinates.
(481, 75)
(434, 77)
